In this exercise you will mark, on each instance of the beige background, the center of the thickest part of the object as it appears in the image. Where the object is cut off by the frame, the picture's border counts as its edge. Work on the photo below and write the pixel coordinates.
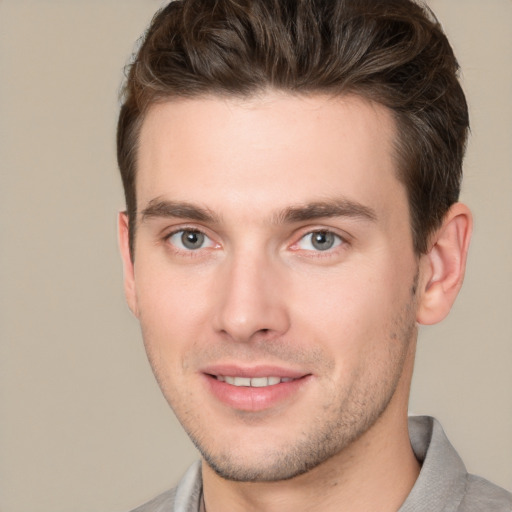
(82, 424)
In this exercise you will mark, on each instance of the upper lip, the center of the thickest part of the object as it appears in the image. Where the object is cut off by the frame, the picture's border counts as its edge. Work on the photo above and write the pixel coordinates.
(233, 370)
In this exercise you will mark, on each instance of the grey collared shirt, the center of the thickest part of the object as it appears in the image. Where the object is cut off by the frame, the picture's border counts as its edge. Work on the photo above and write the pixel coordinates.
(443, 485)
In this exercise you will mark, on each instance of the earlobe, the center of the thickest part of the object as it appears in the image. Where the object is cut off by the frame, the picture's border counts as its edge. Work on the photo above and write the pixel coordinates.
(443, 267)
(128, 269)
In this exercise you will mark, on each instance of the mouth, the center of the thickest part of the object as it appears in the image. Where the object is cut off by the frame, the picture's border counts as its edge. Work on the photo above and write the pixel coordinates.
(256, 388)
(252, 382)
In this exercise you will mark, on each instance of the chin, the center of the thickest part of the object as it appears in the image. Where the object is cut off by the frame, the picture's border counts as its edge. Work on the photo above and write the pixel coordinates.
(278, 463)
(268, 471)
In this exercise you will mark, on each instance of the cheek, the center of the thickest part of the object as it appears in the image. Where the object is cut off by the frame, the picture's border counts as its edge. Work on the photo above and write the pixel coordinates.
(340, 301)
(173, 306)
(352, 308)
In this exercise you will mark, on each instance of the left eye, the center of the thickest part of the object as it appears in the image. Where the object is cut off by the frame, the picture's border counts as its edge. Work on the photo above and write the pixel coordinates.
(190, 240)
(319, 241)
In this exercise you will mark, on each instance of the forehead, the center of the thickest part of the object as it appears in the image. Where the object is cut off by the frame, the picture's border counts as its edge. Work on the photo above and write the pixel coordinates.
(268, 151)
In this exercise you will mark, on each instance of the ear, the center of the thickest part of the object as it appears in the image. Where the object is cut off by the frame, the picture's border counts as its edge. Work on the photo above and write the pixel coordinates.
(443, 267)
(129, 274)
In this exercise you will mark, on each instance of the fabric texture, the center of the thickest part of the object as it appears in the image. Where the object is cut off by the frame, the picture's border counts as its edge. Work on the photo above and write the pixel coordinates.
(443, 485)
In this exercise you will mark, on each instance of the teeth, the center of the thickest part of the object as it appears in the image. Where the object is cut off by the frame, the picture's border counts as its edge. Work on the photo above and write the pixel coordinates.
(255, 382)
(259, 382)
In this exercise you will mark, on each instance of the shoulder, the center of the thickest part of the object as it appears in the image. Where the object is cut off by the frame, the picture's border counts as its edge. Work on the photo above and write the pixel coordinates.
(443, 482)
(185, 497)
(162, 503)
(483, 496)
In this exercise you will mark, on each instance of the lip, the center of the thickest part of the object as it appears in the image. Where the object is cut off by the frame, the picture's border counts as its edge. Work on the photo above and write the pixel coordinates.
(254, 371)
(253, 399)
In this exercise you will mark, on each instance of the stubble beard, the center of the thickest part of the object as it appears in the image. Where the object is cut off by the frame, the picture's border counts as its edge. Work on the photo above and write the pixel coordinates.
(344, 420)
(342, 423)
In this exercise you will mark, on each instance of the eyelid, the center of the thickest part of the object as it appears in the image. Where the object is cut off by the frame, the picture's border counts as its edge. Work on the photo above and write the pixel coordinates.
(191, 229)
(343, 239)
(185, 226)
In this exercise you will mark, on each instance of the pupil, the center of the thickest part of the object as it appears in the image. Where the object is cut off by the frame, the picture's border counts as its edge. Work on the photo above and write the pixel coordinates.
(323, 240)
(192, 239)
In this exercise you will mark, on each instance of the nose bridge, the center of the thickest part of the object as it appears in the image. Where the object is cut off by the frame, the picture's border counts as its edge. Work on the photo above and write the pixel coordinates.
(250, 296)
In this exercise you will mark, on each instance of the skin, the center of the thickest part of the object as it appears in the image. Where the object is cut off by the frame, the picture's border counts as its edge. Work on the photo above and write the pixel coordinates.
(256, 178)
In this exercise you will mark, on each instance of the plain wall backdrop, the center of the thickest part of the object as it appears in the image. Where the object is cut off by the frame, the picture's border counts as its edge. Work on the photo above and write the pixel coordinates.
(83, 426)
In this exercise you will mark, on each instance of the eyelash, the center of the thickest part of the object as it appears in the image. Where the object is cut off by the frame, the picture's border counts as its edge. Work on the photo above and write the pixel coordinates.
(182, 231)
(340, 241)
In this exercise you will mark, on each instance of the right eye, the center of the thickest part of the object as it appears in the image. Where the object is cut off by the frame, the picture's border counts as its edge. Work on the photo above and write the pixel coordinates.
(190, 240)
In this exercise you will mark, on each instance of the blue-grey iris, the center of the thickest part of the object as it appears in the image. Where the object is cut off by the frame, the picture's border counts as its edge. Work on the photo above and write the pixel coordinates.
(322, 240)
(192, 239)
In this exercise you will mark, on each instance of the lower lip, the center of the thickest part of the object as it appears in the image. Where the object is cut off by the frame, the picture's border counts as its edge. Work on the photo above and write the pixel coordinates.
(245, 398)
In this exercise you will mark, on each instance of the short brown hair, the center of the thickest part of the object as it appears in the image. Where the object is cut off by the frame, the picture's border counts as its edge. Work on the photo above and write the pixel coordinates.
(393, 52)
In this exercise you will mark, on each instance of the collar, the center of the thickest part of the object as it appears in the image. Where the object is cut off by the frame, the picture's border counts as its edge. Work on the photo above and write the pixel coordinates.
(440, 485)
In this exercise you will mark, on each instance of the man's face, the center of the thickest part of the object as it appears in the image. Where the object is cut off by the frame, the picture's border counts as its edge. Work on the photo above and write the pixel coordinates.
(274, 275)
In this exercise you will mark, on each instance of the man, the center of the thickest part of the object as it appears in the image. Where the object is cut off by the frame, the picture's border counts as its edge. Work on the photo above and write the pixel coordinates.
(291, 172)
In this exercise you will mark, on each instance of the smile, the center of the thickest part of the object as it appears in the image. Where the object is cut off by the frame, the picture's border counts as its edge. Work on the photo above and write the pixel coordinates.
(254, 389)
(254, 382)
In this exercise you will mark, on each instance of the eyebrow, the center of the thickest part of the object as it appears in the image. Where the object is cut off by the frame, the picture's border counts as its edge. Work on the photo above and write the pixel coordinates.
(299, 213)
(321, 209)
(177, 209)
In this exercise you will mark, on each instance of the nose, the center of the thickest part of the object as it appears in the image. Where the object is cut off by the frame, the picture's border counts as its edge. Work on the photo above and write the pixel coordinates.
(252, 300)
